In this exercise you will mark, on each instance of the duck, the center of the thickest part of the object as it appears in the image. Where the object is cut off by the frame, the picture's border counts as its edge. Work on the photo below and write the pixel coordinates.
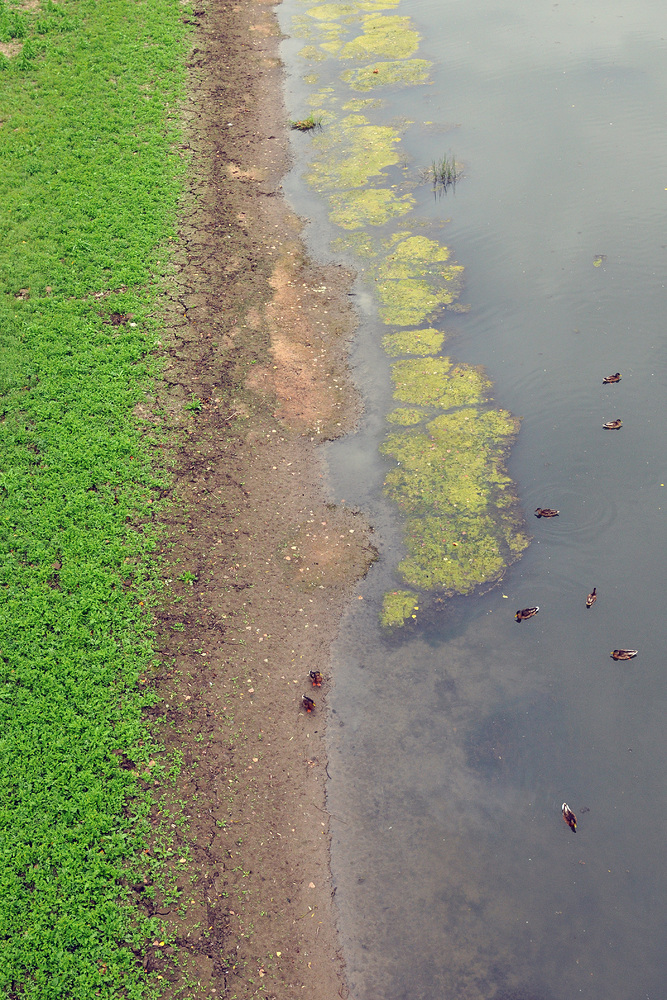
(526, 613)
(592, 598)
(316, 678)
(608, 379)
(308, 703)
(546, 512)
(569, 817)
(613, 425)
(624, 654)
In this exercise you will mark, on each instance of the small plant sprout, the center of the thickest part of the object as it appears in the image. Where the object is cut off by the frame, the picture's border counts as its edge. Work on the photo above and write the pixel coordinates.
(445, 172)
(195, 404)
(306, 124)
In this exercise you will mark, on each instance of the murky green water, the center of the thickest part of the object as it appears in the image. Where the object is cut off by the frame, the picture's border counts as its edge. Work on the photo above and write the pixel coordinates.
(455, 740)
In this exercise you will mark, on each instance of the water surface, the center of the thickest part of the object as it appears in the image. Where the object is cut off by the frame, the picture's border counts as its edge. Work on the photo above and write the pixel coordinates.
(454, 743)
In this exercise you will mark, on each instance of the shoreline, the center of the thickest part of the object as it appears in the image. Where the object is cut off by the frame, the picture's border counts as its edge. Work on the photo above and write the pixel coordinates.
(261, 565)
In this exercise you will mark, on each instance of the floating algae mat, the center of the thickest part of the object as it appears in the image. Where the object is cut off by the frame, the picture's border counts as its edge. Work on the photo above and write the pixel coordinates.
(463, 524)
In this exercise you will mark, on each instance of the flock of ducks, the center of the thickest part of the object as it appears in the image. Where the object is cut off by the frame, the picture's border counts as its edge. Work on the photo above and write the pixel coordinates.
(525, 613)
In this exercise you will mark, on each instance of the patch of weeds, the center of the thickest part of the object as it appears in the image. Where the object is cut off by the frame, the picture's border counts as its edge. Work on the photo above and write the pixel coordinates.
(13, 23)
(306, 124)
(444, 173)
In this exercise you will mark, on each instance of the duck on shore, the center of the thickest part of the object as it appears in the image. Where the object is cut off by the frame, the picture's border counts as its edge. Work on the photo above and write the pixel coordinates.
(308, 703)
(316, 678)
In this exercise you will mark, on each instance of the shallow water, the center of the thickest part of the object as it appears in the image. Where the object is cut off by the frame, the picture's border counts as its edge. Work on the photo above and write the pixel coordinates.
(454, 743)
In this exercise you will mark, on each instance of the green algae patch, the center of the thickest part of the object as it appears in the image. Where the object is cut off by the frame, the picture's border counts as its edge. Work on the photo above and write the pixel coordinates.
(312, 53)
(322, 96)
(447, 556)
(406, 302)
(421, 342)
(333, 11)
(359, 243)
(353, 154)
(451, 466)
(415, 279)
(370, 207)
(464, 525)
(398, 606)
(358, 104)
(437, 382)
(303, 27)
(329, 35)
(404, 73)
(409, 251)
(406, 416)
(469, 428)
(389, 36)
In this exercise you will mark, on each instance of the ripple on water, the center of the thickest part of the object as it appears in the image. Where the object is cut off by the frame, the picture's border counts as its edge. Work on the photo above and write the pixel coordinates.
(582, 518)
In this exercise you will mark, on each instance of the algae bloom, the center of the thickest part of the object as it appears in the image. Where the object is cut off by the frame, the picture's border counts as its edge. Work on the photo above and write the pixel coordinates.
(463, 525)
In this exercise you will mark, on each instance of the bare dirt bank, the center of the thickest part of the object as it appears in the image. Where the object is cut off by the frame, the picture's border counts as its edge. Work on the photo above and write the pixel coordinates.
(260, 565)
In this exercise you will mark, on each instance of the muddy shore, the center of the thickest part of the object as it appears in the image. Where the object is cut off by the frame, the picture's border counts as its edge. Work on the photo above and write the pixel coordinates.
(260, 565)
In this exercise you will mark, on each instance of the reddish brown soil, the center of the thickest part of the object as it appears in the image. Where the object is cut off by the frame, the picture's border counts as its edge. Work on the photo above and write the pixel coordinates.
(259, 564)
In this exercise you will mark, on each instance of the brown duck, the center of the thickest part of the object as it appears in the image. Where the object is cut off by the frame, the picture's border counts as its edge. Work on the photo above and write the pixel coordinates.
(546, 512)
(613, 425)
(592, 598)
(608, 379)
(521, 616)
(316, 678)
(624, 654)
(569, 817)
(308, 703)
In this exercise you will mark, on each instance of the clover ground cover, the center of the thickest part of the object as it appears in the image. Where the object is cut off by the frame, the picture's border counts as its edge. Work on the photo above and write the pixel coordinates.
(88, 191)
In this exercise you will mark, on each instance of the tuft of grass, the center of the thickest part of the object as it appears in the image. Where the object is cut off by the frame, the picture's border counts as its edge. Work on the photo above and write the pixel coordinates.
(445, 172)
(89, 182)
(306, 124)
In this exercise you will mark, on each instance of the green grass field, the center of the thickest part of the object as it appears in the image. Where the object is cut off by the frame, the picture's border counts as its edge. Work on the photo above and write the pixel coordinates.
(89, 185)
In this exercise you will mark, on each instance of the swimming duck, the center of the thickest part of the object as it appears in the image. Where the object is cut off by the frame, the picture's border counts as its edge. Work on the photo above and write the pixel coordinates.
(624, 654)
(611, 378)
(546, 512)
(613, 425)
(526, 613)
(569, 817)
(592, 598)
(308, 703)
(316, 678)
